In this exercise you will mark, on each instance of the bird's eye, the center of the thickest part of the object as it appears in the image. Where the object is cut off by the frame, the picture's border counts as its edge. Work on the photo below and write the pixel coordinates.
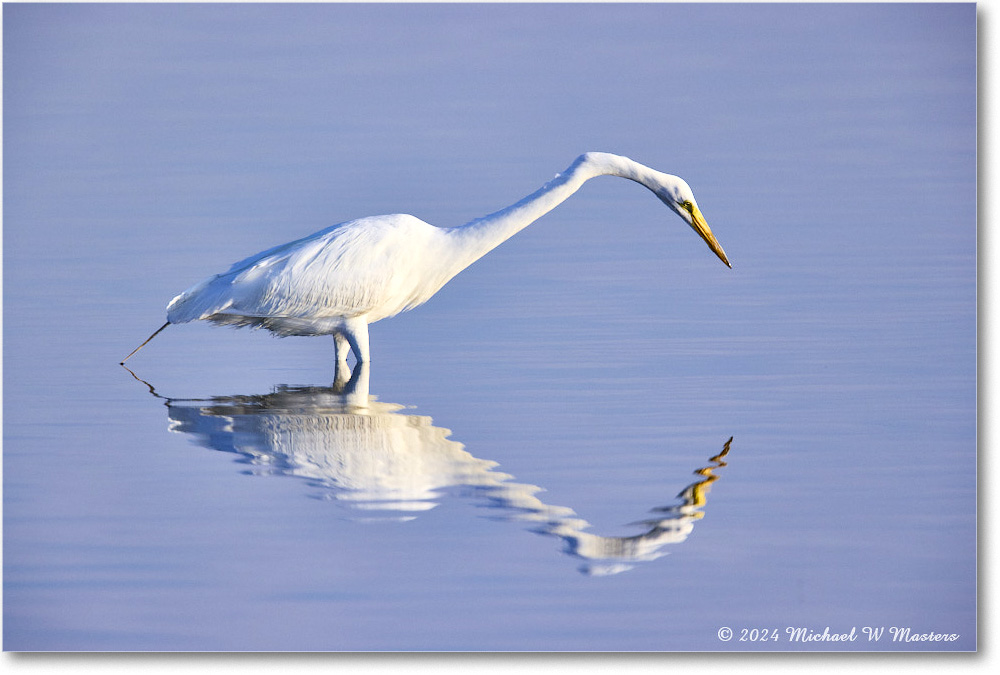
(687, 206)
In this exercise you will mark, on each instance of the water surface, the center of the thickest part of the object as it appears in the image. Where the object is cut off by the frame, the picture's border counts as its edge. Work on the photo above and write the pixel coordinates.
(540, 457)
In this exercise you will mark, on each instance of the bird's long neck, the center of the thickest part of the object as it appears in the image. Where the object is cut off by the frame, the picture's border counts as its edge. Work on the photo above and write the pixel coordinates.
(477, 238)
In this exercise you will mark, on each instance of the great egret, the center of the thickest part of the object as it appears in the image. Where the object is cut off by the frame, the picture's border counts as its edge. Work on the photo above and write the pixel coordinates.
(340, 279)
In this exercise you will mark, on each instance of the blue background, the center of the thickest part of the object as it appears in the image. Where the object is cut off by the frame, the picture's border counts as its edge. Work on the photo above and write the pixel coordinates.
(602, 355)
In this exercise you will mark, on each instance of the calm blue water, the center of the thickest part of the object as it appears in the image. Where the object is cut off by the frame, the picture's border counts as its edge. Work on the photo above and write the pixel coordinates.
(543, 461)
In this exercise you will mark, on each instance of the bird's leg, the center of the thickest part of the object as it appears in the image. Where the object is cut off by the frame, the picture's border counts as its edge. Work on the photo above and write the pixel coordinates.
(342, 376)
(341, 348)
(356, 332)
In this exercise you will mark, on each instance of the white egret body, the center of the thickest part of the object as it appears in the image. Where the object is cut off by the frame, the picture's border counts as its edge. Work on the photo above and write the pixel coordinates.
(339, 280)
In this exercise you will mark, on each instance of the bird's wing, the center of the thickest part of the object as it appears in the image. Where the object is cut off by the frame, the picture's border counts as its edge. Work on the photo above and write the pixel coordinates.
(346, 270)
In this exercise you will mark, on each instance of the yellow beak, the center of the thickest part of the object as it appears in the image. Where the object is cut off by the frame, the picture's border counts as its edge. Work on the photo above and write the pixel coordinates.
(705, 232)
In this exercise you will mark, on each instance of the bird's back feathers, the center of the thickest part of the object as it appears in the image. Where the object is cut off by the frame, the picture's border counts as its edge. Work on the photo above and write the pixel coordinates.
(365, 267)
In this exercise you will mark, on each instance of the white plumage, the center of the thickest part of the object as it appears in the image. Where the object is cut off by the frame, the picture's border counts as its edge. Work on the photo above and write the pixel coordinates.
(340, 279)
(371, 266)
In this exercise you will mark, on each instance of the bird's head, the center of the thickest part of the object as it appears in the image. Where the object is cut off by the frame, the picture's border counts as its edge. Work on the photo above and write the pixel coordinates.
(676, 194)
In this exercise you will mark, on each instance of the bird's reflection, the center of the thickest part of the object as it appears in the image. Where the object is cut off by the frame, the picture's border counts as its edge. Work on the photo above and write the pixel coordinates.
(386, 464)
